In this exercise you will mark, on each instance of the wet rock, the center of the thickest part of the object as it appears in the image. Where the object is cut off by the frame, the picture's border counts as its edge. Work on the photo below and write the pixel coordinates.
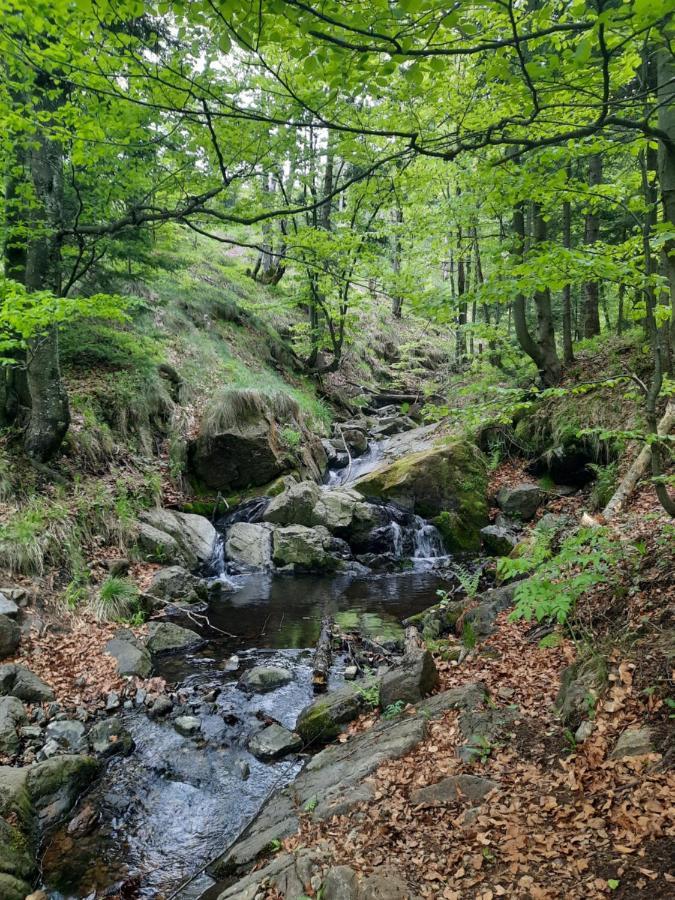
(633, 742)
(161, 707)
(497, 541)
(324, 718)
(304, 548)
(295, 506)
(521, 501)
(446, 484)
(174, 584)
(8, 607)
(12, 716)
(411, 680)
(250, 544)
(471, 788)
(344, 511)
(110, 737)
(10, 635)
(355, 438)
(187, 725)
(55, 784)
(18, 681)
(187, 539)
(341, 884)
(84, 822)
(243, 769)
(68, 734)
(132, 657)
(112, 701)
(261, 679)
(274, 742)
(167, 637)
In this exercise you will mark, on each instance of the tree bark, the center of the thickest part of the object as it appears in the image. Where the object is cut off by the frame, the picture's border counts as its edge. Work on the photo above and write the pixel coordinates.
(397, 300)
(568, 351)
(460, 339)
(592, 288)
(665, 75)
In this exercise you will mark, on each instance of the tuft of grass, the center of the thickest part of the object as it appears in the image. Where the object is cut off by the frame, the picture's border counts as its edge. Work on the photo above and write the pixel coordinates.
(606, 478)
(118, 599)
(233, 408)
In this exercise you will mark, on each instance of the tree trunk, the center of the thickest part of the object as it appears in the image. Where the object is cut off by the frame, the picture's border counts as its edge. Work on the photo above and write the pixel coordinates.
(460, 339)
(568, 351)
(592, 288)
(397, 300)
(665, 74)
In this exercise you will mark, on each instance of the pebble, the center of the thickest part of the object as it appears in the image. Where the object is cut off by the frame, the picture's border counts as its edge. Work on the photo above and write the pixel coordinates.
(187, 725)
(112, 701)
(350, 673)
(243, 769)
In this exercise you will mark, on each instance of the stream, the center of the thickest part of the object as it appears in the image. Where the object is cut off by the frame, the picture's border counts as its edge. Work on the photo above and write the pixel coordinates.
(176, 802)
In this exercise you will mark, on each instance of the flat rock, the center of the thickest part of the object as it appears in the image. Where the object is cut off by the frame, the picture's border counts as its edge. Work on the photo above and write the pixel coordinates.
(261, 679)
(471, 788)
(167, 637)
(410, 681)
(10, 635)
(633, 742)
(521, 501)
(18, 681)
(132, 657)
(68, 733)
(8, 607)
(274, 742)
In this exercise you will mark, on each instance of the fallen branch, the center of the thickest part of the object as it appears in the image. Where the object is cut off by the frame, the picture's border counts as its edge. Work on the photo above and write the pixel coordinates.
(322, 656)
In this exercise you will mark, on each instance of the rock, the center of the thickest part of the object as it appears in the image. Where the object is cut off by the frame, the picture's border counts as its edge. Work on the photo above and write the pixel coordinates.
(580, 687)
(84, 822)
(31, 732)
(55, 784)
(187, 725)
(341, 883)
(161, 707)
(68, 733)
(118, 568)
(411, 680)
(167, 637)
(194, 535)
(295, 506)
(158, 546)
(497, 541)
(584, 731)
(446, 484)
(471, 788)
(344, 512)
(633, 742)
(384, 885)
(323, 719)
(250, 544)
(10, 634)
(175, 583)
(37, 895)
(112, 701)
(18, 681)
(110, 737)
(350, 673)
(12, 716)
(132, 657)
(302, 547)
(355, 438)
(8, 607)
(243, 769)
(12, 888)
(521, 501)
(274, 742)
(262, 679)
(482, 728)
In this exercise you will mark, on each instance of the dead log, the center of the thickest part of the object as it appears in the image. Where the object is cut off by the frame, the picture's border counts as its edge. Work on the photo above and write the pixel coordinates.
(639, 467)
(322, 656)
(413, 641)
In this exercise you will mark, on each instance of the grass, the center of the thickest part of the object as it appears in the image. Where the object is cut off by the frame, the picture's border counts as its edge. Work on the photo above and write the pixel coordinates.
(118, 599)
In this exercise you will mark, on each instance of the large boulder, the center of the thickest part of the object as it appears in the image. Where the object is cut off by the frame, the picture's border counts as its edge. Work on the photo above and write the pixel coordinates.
(446, 484)
(324, 718)
(175, 584)
(344, 512)
(68, 733)
(497, 540)
(521, 501)
(250, 544)
(10, 634)
(12, 715)
(307, 549)
(191, 539)
(16, 863)
(261, 679)
(274, 742)
(132, 657)
(295, 506)
(18, 681)
(411, 680)
(167, 637)
(55, 784)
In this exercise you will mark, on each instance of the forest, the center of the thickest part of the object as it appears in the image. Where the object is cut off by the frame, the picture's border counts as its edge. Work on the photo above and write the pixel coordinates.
(337, 470)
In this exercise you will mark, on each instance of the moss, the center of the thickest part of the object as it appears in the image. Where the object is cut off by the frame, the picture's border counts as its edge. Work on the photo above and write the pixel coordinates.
(317, 725)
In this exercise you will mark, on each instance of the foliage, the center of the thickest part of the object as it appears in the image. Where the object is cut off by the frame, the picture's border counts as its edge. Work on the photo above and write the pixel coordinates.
(393, 710)
(118, 600)
(468, 579)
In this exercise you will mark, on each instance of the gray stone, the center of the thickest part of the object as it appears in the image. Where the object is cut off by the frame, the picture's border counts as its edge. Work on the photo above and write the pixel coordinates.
(584, 731)
(8, 607)
(498, 541)
(243, 769)
(344, 510)
(457, 787)
(31, 732)
(580, 687)
(22, 683)
(55, 784)
(521, 501)
(294, 506)
(110, 737)
(274, 742)
(633, 742)
(68, 733)
(250, 544)
(482, 728)
(411, 680)
(261, 679)
(12, 716)
(167, 637)
(132, 657)
(304, 548)
(323, 719)
(193, 537)
(158, 546)
(112, 701)
(175, 583)
(160, 707)
(384, 885)
(341, 884)
(289, 874)
(187, 725)
(10, 635)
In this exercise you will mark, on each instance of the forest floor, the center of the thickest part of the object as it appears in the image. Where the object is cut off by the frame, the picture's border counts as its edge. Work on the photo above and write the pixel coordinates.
(568, 819)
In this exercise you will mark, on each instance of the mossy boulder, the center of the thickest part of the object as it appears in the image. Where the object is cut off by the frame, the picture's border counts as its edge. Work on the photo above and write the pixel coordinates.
(323, 719)
(307, 549)
(446, 484)
(55, 784)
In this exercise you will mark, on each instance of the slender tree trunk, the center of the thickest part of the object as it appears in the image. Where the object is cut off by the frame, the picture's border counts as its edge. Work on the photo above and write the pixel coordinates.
(397, 300)
(665, 75)
(619, 319)
(592, 288)
(550, 366)
(568, 351)
(460, 341)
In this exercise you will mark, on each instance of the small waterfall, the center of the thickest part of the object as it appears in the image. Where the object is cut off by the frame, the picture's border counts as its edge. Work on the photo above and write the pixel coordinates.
(249, 511)
(396, 533)
(428, 543)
